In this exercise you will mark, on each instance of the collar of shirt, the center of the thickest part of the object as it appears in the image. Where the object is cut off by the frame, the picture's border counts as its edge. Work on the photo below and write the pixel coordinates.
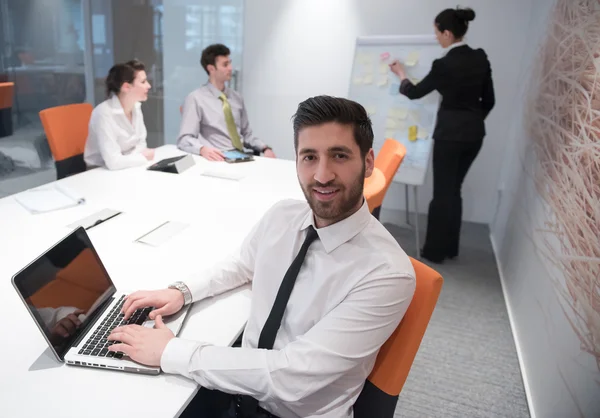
(455, 45)
(115, 105)
(215, 91)
(334, 235)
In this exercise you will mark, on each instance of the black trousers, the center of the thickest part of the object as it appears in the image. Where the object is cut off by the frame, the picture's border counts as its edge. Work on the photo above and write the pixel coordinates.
(451, 162)
(216, 404)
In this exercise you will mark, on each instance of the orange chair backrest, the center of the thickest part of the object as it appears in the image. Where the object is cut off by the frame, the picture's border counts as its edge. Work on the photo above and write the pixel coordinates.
(6, 95)
(389, 158)
(67, 129)
(397, 354)
(69, 286)
(375, 187)
(387, 162)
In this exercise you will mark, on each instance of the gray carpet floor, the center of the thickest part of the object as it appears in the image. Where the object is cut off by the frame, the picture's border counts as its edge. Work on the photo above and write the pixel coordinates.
(467, 364)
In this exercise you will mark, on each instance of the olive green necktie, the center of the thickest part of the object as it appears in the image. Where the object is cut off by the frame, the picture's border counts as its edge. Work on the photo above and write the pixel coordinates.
(233, 133)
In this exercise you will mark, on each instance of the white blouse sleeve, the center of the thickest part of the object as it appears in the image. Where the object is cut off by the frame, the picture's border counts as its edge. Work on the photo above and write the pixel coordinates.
(109, 148)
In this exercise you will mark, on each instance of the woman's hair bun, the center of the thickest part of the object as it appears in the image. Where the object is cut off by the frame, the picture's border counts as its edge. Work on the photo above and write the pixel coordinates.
(465, 14)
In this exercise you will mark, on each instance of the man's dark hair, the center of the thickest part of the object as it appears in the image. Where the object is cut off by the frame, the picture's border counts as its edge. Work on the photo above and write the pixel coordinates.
(323, 109)
(210, 54)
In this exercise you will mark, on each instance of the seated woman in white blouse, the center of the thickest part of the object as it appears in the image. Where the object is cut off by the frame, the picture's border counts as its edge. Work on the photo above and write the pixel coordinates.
(117, 134)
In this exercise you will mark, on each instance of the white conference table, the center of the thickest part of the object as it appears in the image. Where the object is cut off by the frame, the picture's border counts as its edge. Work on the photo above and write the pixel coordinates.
(219, 213)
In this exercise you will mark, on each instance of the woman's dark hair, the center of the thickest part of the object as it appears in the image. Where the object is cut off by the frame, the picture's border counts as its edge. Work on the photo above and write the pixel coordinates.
(322, 109)
(122, 73)
(455, 20)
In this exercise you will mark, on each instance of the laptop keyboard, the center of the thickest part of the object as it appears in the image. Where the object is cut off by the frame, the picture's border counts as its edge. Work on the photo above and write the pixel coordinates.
(97, 344)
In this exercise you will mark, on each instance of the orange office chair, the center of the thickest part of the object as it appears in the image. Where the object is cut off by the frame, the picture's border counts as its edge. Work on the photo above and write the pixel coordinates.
(66, 128)
(387, 163)
(379, 396)
(374, 189)
(68, 285)
(6, 102)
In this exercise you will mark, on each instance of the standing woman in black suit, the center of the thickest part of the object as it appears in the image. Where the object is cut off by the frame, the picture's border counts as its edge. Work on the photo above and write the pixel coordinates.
(463, 77)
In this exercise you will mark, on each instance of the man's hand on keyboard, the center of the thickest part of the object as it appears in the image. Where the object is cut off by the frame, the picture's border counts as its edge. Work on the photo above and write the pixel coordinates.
(166, 302)
(144, 345)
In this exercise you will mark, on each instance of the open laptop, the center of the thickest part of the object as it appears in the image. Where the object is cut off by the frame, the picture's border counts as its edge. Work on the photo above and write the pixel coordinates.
(75, 304)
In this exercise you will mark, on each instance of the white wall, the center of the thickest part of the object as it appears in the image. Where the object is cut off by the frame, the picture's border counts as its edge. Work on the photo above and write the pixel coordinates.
(295, 49)
(561, 380)
(185, 35)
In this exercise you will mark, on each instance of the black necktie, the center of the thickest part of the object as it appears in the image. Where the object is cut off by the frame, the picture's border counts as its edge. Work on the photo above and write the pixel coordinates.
(248, 405)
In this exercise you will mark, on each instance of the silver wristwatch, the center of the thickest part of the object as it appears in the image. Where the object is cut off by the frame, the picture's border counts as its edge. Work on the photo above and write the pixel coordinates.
(182, 287)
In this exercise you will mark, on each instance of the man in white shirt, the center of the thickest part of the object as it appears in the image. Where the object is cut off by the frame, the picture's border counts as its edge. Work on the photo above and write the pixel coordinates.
(307, 354)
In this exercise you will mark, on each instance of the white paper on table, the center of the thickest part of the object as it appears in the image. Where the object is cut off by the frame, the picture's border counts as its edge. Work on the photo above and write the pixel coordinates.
(368, 79)
(224, 171)
(383, 81)
(390, 124)
(357, 80)
(95, 218)
(162, 233)
(49, 198)
(370, 110)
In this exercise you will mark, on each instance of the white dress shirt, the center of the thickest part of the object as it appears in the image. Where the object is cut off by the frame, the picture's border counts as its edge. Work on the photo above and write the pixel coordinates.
(113, 141)
(350, 295)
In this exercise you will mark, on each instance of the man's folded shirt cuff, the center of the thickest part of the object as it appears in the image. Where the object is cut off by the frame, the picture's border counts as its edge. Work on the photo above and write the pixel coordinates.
(176, 357)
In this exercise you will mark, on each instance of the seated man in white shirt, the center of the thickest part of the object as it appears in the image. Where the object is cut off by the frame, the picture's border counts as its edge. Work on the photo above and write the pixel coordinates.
(214, 117)
(349, 294)
(117, 134)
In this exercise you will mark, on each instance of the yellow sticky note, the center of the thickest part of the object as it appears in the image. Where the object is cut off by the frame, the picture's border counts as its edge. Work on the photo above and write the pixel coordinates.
(412, 59)
(399, 113)
(390, 124)
(422, 134)
(357, 80)
(368, 79)
(415, 116)
(384, 68)
(412, 133)
(383, 81)
(389, 134)
(365, 58)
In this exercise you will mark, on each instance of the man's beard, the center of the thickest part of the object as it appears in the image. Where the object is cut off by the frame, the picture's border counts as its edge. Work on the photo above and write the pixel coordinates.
(338, 208)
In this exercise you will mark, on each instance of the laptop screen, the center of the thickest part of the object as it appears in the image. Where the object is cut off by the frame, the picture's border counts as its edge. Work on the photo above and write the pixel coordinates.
(64, 288)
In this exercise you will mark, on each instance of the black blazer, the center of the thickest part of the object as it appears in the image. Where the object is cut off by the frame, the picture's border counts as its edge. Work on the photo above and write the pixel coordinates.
(463, 77)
